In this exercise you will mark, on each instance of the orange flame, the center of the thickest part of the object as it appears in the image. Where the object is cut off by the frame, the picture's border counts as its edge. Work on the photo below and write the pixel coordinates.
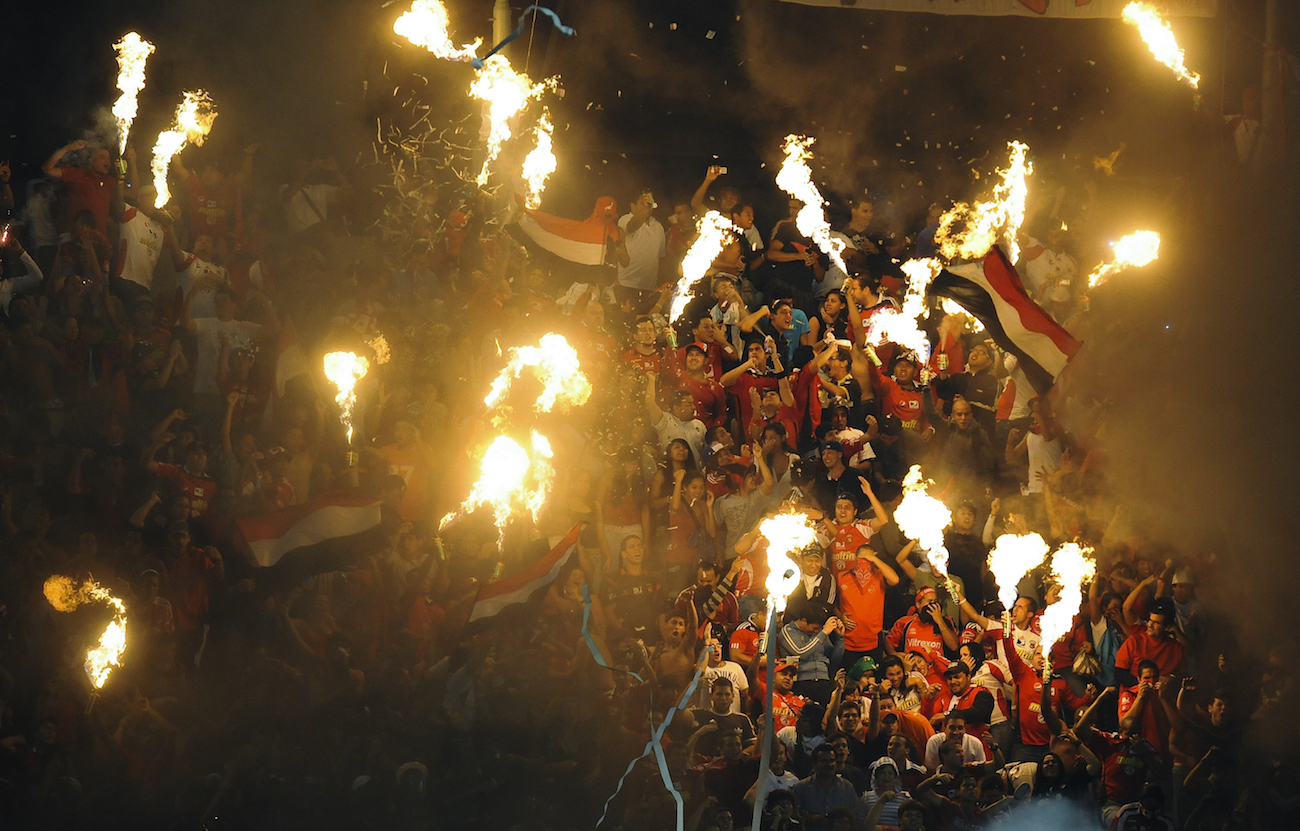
(132, 53)
(968, 232)
(539, 164)
(426, 25)
(506, 93)
(1138, 249)
(1072, 566)
(379, 343)
(922, 518)
(191, 125)
(1013, 557)
(555, 364)
(785, 533)
(503, 482)
(65, 595)
(715, 232)
(1159, 38)
(795, 178)
(344, 370)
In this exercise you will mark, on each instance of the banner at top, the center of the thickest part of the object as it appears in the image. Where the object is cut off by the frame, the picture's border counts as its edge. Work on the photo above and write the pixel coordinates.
(1022, 8)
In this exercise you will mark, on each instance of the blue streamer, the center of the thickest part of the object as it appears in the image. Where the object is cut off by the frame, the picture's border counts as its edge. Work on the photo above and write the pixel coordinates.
(654, 746)
(567, 31)
(591, 642)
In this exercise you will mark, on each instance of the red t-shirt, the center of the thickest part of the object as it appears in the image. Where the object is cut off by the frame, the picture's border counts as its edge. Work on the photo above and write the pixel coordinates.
(744, 383)
(1168, 653)
(88, 191)
(907, 404)
(1123, 771)
(712, 362)
(211, 211)
(1029, 696)
(200, 489)
(862, 600)
(710, 398)
(1152, 719)
(643, 364)
(744, 641)
(188, 575)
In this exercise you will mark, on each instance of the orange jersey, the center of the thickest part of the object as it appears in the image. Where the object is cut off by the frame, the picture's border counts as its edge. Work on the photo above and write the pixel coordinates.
(413, 466)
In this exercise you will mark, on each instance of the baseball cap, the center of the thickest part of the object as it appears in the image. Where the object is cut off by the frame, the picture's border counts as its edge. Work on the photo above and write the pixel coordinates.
(883, 761)
(909, 357)
(890, 425)
(697, 345)
(833, 444)
(956, 668)
(788, 662)
(861, 667)
(1183, 577)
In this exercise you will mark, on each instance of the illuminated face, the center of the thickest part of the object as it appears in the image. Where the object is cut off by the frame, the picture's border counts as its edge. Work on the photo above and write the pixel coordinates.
(721, 697)
(757, 354)
(1218, 710)
(955, 727)
(979, 359)
(771, 402)
(832, 305)
(744, 219)
(784, 681)
(695, 490)
(1022, 612)
(811, 564)
(850, 720)
(684, 407)
(962, 416)
(895, 675)
(958, 683)
(99, 161)
(885, 779)
(1149, 674)
(633, 551)
(695, 360)
(904, 372)
(676, 627)
(841, 748)
(897, 747)
(831, 457)
(783, 318)
(1157, 626)
(862, 214)
(645, 333)
(679, 451)
(839, 419)
(845, 511)
(684, 217)
(963, 519)
(705, 330)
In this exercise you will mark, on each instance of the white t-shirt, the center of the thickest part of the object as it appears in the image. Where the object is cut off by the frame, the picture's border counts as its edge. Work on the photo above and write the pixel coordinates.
(727, 669)
(192, 272)
(298, 211)
(1044, 455)
(142, 242)
(207, 337)
(972, 750)
(671, 427)
(646, 246)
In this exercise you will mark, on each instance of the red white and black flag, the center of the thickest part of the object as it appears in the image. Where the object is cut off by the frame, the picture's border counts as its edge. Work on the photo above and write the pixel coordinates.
(991, 291)
(524, 585)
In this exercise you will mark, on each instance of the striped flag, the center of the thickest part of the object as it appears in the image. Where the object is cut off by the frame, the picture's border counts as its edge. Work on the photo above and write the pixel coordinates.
(991, 291)
(579, 241)
(330, 516)
(494, 598)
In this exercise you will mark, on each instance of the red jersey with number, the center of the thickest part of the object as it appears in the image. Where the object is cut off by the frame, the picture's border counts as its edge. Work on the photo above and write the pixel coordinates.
(200, 489)
(1029, 697)
(845, 544)
(744, 641)
(908, 403)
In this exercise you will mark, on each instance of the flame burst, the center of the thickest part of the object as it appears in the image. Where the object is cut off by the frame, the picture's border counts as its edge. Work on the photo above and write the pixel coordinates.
(379, 343)
(191, 125)
(921, 517)
(132, 53)
(1135, 250)
(1012, 557)
(1072, 566)
(715, 232)
(426, 25)
(795, 178)
(952, 307)
(345, 369)
(539, 164)
(889, 325)
(785, 534)
(503, 482)
(981, 224)
(506, 93)
(556, 366)
(1159, 38)
(65, 595)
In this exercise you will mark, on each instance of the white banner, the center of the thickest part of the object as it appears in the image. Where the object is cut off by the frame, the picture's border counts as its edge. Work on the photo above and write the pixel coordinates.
(1022, 8)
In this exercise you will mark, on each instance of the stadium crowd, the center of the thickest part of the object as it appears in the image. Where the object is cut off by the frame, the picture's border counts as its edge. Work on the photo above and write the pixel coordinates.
(160, 381)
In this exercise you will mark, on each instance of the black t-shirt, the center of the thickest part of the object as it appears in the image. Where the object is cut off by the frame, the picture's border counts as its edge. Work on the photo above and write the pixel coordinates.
(796, 273)
(825, 490)
(981, 389)
(710, 743)
(635, 599)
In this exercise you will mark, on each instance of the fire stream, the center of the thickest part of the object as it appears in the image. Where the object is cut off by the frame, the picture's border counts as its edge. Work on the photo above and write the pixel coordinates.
(505, 93)
(191, 125)
(379, 343)
(981, 224)
(539, 164)
(345, 369)
(715, 232)
(65, 595)
(785, 533)
(1012, 557)
(556, 366)
(132, 53)
(795, 178)
(900, 326)
(1072, 566)
(1135, 250)
(504, 480)
(1159, 38)
(922, 518)
(426, 25)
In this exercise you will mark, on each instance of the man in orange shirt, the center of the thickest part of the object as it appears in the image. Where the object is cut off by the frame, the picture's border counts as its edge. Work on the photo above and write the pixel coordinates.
(862, 604)
(414, 461)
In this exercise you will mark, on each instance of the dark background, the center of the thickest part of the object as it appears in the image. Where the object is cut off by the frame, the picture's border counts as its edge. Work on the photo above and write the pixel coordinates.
(1195, 352)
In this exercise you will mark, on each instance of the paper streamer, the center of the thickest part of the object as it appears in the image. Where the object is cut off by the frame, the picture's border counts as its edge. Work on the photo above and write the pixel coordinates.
(567, 31)
(654, 746)
(591, 642)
